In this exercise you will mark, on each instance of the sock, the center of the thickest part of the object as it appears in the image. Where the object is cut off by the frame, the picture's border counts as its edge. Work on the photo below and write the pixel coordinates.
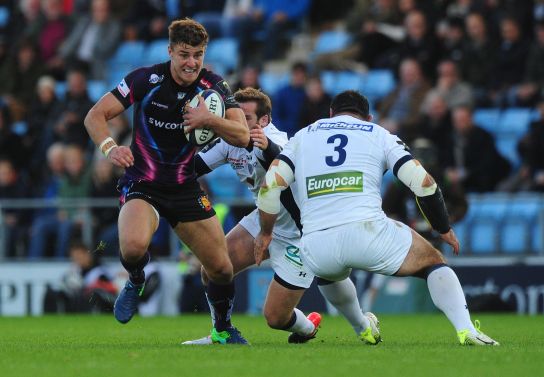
(221, 300)
(343, 295)
(448, 296)
(136, 269)
(300, 324)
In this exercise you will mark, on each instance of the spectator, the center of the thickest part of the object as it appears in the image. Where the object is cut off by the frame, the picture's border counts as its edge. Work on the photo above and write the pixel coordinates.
(49, 30)
(15, 223)
(75, 183)
(511, 60)
(40, 110)
(435, 125)
(528, 92)
(20, 74)
(530, 176)
(452, 33)
(419, 43)
(147, 21)
(449, 85)
(478, 166)
(249, 78)
(316, 103)
(11, 144)
(288, 100)
(66, 123)
(93, 41)
(86, 287)
(479, 58)
(399, 111)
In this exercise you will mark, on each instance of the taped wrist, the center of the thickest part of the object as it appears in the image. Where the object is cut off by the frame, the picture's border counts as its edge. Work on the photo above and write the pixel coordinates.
(433, 208)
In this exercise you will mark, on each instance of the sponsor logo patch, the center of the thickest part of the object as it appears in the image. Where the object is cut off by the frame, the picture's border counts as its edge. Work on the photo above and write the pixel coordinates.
(292, 254)
(342, 126)
(154, 78)
(346, 181)
(123, 88)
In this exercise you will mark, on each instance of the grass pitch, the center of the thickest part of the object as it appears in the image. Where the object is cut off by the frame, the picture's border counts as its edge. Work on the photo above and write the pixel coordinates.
(414, 345)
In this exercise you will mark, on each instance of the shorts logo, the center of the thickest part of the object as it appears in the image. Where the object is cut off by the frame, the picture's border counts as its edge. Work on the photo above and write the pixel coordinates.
(292, 254)
(205, 203)
(346, 181)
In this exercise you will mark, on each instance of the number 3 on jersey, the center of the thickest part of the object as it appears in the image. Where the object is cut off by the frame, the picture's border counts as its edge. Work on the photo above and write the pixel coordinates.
(340, 157)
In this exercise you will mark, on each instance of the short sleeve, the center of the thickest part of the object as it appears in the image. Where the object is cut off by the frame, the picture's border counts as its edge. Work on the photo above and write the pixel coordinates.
(288, 154)
(223, 88)
(396, 152)
(132, 88)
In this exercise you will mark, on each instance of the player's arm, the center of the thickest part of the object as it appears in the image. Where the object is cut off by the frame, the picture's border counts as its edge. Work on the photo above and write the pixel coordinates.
(278, 177)
(270, 150)
(233, 128)
(429, 199)
(96, 123)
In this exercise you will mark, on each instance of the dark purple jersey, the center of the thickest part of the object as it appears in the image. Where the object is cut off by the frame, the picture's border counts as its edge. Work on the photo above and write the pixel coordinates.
(161, 152)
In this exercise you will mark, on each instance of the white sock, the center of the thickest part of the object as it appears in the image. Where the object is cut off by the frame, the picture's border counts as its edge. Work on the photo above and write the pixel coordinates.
(343, 295)
(302, 325)
(448, 296)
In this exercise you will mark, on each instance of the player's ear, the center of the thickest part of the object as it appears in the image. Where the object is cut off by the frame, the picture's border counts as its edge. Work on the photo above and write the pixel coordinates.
(369, 118)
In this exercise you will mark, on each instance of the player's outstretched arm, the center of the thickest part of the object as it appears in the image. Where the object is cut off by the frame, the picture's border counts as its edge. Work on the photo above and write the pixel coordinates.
(96, 123)
(429, 199)
(233, 128)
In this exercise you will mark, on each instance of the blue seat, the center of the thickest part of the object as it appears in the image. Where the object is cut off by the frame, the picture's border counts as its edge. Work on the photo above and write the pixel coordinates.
(60, 89)
(129, 55)
(328, 79)
(520, 225)
(507, 147)
(330, 41)
(224, 51)
(271, 82)
(225, 185)
(377, 83)
(156, 52)
(336, 82)
(515, 121)
(487, 119)
(488, 212)
(96, 89)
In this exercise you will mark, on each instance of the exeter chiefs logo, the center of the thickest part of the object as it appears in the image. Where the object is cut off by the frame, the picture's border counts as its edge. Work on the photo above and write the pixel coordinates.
(205, 203)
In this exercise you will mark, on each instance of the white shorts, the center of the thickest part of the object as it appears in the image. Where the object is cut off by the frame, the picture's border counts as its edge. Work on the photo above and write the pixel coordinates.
(284, 254)
(377, 246)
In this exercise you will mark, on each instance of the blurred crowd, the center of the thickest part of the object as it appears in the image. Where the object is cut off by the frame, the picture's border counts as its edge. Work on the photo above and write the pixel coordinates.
(448, 58)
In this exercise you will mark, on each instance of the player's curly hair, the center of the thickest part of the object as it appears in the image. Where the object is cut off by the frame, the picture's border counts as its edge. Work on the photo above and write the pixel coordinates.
(264, 105)
(187, 31)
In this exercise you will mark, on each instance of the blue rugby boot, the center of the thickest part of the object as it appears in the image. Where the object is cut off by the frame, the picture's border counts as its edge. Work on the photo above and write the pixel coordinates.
(229, 336)
(127, 302)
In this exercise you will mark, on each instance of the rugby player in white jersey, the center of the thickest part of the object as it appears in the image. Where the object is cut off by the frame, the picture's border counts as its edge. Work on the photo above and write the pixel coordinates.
(335, 167)
(291, 278)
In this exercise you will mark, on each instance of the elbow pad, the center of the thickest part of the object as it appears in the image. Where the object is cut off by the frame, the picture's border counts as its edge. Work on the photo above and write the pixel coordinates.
(433, 208)
(277, 179)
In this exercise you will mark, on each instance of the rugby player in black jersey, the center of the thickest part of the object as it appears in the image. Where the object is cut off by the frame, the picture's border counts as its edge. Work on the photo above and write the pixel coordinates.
(159, 177)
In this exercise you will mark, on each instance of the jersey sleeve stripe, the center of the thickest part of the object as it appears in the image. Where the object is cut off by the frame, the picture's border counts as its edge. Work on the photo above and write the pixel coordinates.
(286, 159)
(401, 162)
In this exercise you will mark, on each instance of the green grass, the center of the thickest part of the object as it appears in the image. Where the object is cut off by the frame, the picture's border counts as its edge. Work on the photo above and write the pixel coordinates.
(414, 345)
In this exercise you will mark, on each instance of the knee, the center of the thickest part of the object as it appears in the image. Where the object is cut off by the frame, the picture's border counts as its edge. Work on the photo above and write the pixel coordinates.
(221, 274)
(276, 319)
(133, 249)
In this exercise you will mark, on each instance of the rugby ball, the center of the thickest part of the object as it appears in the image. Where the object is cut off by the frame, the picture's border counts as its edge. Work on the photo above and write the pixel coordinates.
(215, 104)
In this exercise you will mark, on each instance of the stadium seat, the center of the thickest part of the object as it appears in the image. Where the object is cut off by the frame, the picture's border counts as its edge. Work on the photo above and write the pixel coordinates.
(336, 82)
(487, 119)
(96, 89)
(377, 83)
(60, 89)
(271, 82)
(520, 224)
(515, 121)
(156, 52)
(507, 147)
(330, 41)
(224, 51)
(225, 186)
(484, 230)
(128, 55)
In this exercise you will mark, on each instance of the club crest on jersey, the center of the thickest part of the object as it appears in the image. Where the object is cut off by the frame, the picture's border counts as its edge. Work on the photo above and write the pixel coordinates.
(205, 203)
(292, 254)
(181, 95)
(346, 181)
(154, 78)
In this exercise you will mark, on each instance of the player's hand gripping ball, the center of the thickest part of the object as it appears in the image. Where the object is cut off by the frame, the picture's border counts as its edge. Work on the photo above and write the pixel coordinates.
(215, 104)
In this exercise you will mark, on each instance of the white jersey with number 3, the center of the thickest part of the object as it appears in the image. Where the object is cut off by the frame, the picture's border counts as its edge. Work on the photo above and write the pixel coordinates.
(339, 164)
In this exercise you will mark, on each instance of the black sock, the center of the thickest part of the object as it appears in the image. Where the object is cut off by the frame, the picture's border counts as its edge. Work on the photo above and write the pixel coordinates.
(136, 269)
(221, 300)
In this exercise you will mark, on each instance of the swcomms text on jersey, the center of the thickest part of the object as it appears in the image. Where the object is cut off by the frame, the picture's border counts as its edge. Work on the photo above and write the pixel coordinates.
(341, 126)
(166, 125)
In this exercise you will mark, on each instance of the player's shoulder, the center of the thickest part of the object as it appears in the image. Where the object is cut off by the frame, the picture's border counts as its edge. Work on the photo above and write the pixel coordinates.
(208, 79)
(277, 136)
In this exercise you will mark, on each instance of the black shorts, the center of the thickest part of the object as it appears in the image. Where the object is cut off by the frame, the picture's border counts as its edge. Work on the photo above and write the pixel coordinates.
(180, 203)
